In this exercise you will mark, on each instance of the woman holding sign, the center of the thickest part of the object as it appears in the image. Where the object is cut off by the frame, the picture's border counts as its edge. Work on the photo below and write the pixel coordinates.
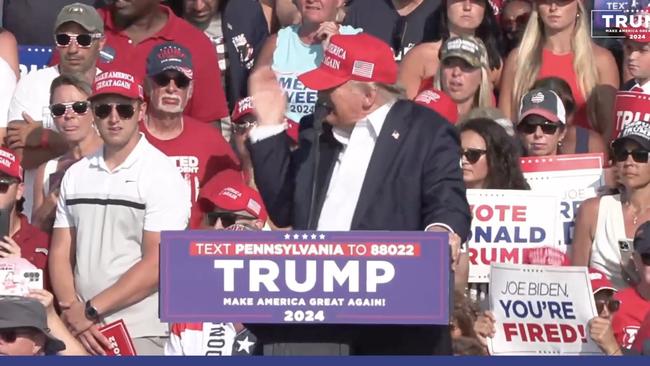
(605, 225)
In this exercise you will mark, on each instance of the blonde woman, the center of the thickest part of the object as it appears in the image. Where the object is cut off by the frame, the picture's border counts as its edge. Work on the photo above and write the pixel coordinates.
(464, 74)
(557, 42)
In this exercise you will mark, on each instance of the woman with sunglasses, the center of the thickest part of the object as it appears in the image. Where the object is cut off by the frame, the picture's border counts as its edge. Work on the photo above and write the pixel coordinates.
(454, 18)
(577, 140)
(542, 123)
(489, 156)
(605, 224)
(557, 42)
(464, 74)
(299, 48)
(70, 111)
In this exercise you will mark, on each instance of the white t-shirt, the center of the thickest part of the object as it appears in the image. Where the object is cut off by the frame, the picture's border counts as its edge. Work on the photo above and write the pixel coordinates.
(32, 95)
(8, 82)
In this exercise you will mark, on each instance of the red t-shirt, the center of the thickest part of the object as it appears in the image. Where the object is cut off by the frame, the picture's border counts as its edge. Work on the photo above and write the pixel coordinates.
(627, 320)
(208, 101)
(643, 335)
(199, 152)
(34, 246)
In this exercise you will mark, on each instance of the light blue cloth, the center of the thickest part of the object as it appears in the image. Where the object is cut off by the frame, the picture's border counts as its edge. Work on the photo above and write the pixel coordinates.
(291, 58)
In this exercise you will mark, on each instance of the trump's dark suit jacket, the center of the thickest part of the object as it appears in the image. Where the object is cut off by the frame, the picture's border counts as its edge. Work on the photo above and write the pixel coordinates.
(413, 179)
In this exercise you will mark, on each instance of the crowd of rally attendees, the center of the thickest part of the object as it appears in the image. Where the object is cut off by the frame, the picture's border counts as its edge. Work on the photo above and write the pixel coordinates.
(137, 84)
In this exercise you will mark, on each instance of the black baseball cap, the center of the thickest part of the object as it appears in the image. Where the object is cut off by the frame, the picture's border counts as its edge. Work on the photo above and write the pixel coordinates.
(638, 131)
(24, 312)
(544, 103)
(170, 56)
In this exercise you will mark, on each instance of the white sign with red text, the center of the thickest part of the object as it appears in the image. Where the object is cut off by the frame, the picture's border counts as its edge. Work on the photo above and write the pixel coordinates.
(507, 223)
(573, 178)
(541, 310)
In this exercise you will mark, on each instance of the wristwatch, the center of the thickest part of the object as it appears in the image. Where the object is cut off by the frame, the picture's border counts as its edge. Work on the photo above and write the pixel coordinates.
(91, 312)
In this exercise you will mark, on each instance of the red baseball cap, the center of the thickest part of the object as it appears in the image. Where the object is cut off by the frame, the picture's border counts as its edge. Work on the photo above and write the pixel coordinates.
(119, 83)
(439, 102)
(227, 191)
(9, 166)
(359, 57)
(546, 256)
(243, 108)
(599, 281)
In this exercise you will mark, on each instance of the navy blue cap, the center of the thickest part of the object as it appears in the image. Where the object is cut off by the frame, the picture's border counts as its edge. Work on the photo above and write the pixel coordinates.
(169, 56)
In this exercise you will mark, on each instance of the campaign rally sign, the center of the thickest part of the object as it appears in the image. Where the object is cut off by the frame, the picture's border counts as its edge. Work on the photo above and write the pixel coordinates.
(119, 339)
(33, 57)
(630, 107)
(280, 277)
(541, 310)
(573, 177)
(507, 223)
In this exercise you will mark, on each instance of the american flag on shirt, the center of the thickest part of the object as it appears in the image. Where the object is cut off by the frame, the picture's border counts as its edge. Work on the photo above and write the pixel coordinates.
(363, 69)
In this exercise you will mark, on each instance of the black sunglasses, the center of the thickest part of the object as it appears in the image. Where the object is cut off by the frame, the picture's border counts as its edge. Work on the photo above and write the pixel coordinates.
(125, 111)
(163, 79)
(639, 156)
(82, 40)
(59, 109)
(10, 335)
(227, 218)
(472, 155)
(548, 128)
(612, 305)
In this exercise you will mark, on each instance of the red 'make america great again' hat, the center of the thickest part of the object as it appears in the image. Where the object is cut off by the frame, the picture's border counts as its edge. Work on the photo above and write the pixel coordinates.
(359, 57)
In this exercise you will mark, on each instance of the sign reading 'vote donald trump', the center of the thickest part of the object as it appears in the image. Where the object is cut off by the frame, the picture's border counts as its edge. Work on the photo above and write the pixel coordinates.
(316, 277)
(507, 223)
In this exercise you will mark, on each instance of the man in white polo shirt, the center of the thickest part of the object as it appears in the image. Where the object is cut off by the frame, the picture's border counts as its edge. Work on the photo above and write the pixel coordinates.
(112, 207)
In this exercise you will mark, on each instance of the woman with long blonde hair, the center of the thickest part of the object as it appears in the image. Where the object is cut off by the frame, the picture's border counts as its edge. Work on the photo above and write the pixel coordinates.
(557, 43)
(464, 74)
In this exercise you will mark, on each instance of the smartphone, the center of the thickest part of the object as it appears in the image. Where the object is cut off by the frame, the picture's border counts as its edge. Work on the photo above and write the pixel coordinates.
(4, 223)
(626, 248)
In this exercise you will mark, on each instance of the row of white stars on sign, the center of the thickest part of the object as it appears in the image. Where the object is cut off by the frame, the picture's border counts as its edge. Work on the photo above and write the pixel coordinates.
(304, 236)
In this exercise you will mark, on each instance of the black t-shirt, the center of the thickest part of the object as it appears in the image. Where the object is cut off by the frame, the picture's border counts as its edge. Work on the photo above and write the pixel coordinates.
(381, 19)
(32, 21)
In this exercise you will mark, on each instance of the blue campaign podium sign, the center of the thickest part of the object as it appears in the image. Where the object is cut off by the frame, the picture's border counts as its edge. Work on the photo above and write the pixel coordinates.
(280, 277)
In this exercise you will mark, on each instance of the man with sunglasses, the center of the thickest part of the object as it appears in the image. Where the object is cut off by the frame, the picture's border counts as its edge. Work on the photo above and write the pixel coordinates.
(542, 122)
(198, 150)
(135, 27)
(635, 300)
(79, 37)
(112, 207)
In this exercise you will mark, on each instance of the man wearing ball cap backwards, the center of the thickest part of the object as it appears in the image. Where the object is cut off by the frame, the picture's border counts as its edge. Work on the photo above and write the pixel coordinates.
(385, 164)
(112, 207)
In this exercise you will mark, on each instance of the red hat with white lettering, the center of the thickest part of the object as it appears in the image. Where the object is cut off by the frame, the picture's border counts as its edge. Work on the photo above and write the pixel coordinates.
(118, 83)
(439, 102)
(359, 57)
(227, 191)
(244, 107)
(9, 166)
(599, 281)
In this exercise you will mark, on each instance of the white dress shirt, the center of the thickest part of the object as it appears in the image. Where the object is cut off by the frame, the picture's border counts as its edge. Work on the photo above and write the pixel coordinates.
(645, 88)
(350, 171)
